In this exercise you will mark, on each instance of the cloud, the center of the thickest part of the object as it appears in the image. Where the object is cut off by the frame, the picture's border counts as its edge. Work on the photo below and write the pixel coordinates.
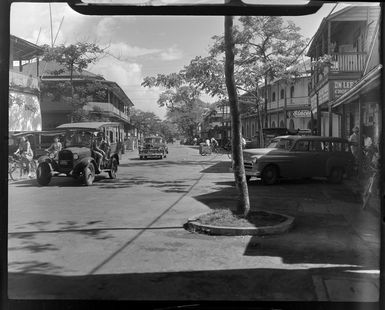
(129, 76)
(124, 51)
(172, 53)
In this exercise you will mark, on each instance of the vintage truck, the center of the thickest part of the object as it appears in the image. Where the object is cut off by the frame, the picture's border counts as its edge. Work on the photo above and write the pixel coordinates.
(153, 147)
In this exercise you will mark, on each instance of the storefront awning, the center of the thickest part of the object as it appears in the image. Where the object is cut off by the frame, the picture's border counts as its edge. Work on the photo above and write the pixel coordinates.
(366, 83)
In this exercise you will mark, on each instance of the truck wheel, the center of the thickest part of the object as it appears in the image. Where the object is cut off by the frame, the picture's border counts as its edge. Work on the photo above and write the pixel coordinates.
(43, 174)
(270, 175)
(114, 169)
(89, 174)
(336, 175)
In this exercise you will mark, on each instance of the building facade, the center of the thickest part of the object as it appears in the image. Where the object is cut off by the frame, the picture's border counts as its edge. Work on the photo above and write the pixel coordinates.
(287, 107)
(100, 99)
(216, 122)
(24, 86)
(340, 53)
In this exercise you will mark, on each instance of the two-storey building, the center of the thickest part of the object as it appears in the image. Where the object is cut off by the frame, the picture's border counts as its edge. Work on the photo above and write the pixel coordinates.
(103, 99)
(24, 87)
(339, 54)
(287, 105)
(216, 122)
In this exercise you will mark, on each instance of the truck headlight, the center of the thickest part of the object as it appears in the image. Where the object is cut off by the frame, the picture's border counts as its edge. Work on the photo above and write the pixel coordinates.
(76, 156)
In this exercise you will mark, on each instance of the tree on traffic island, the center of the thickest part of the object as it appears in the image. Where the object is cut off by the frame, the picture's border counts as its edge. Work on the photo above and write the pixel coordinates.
(243, 206)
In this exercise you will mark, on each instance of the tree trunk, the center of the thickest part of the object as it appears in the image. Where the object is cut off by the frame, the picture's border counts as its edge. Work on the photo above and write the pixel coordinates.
(265, 106)
(238, 168)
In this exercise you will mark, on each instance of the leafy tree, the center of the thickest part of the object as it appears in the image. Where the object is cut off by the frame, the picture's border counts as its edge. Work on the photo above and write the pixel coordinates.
(147, 123)
(184, 108)
(74, 58)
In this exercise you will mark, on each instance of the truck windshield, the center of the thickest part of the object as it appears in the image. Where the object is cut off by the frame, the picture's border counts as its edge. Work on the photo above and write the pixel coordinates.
(284, 144)
(78, 139)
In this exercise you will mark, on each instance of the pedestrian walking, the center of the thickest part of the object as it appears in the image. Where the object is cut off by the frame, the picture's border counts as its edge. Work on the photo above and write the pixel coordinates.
(354, 140)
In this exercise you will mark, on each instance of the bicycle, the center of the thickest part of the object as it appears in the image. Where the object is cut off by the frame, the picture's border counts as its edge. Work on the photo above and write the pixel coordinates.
(226, 149)
(369, 188)
(16, 162)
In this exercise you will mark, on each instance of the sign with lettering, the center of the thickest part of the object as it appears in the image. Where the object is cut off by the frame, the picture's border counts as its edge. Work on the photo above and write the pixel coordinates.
(323, 96)
(341, 87)
(298, 114)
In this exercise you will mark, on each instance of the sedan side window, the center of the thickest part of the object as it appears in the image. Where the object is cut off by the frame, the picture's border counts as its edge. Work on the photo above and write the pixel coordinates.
(315, 146)
(302, 146)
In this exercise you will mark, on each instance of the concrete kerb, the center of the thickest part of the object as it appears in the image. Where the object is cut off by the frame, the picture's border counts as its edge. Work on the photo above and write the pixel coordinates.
(193, 225)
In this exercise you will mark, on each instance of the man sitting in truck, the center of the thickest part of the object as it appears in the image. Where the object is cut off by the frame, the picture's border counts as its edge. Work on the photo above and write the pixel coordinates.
(99, 154)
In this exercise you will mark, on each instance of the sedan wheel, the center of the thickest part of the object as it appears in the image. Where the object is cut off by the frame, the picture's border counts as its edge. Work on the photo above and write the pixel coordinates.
(270, 175)
(336, 175)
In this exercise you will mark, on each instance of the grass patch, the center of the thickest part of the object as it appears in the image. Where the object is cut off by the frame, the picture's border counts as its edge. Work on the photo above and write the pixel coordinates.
(225, 217)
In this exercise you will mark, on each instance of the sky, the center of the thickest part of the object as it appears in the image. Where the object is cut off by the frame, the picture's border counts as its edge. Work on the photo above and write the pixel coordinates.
(140, 45)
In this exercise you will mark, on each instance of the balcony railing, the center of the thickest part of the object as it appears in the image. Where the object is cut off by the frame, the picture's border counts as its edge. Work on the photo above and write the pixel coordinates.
(23, 80)
(106, 107)
(348, 62)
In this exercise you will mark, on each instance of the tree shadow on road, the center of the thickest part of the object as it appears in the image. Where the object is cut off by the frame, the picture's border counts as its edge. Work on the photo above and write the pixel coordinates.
(319, 235)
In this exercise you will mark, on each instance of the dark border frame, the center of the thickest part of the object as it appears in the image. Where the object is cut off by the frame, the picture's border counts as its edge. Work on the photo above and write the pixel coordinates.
(234, 7)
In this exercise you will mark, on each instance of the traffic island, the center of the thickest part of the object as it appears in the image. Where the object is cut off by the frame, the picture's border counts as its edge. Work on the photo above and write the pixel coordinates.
(228, 223)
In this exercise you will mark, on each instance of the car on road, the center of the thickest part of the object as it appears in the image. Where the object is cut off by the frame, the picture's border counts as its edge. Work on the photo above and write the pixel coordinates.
(295, 156)
(77, 159)
(153, 147)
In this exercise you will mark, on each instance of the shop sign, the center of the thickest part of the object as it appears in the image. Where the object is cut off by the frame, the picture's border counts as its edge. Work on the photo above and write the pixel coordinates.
(323, 96)
(301, 113)
(341, 87)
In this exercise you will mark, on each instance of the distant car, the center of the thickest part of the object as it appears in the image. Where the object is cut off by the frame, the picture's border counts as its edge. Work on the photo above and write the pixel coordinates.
(299, 157)
(153, 147)
(77, 159)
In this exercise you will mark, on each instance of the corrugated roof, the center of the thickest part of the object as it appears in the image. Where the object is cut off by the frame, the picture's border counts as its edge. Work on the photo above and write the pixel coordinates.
(87, 125)
(47, 70)
(23, 50)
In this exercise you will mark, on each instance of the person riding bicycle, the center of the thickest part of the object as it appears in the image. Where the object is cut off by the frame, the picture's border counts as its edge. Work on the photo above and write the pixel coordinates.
(55, 147)
(214, 143)
(26, 154)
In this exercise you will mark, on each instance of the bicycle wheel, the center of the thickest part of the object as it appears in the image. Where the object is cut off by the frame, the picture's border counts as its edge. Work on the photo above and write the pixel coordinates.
(367, 193)
(12, 170)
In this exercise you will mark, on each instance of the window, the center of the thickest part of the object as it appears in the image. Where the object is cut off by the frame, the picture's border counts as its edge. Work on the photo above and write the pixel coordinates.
(302, 146)
(337, 146)
(273, 97)
(292, 92)
(315, 146)
(282, 94)
(291, 124)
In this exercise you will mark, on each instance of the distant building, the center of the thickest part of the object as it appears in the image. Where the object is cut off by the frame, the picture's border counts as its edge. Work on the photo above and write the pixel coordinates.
(287, 105)
(104, 100)
(216, 122)
(24, 87)
(341, 52)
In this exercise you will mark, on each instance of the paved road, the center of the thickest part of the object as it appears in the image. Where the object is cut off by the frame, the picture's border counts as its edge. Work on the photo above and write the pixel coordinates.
(124, 238)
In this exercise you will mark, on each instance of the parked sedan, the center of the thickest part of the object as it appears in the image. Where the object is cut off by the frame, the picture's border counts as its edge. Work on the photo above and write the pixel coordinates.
(299, 157)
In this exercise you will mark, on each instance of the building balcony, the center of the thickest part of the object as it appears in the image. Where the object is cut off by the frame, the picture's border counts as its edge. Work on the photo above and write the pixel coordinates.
(19, 79)
(348, 62)
(106, 108)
